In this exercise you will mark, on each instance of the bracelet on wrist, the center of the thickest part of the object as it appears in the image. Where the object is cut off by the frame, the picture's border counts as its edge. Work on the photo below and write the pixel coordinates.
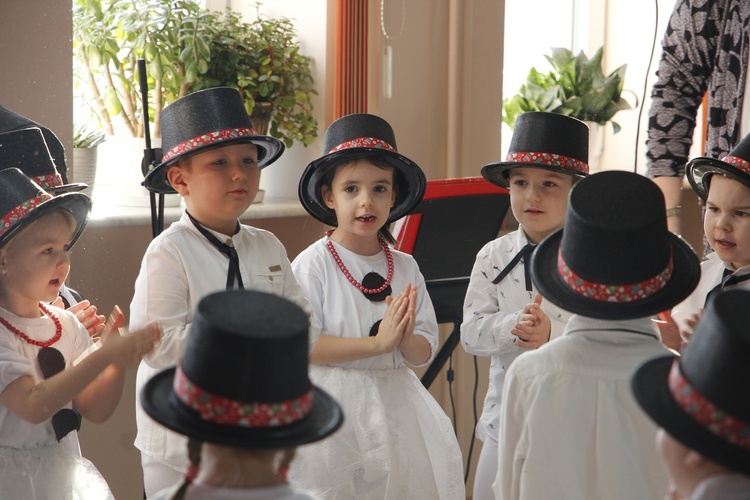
(675, 211)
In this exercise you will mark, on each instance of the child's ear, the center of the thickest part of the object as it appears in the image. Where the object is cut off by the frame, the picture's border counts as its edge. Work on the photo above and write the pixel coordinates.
(327, 195)
(176, 177)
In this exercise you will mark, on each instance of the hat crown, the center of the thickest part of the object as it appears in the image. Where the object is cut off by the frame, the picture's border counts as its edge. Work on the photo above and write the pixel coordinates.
(718, 355)
(27, 151)
(553, 133)
(621, 238)
(357, 126)
(248, 346)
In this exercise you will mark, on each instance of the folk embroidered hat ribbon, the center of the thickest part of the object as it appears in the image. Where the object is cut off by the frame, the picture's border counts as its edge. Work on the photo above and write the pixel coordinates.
(26, 150)
(243, 380)
(615, 257)
(735, 165)
(701, 398)
(22, 201)
(361, 136)
(202, 120)
(544, 140)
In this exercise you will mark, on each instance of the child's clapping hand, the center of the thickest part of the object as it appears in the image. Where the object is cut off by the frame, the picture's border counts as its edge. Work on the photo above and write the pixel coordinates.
(395, 321)
(534, 327)
(686, 333)
(125, 350)
(86, 314)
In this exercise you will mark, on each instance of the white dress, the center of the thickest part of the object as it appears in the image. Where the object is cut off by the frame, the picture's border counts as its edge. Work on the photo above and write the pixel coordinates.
(33, 464)
(396, 441)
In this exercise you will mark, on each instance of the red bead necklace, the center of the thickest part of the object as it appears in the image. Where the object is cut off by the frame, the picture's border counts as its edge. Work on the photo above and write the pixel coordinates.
(349, 276)
(46, 343)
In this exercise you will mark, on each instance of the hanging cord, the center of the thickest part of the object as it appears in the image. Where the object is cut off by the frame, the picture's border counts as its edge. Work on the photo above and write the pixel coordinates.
(476, 421)
(382, 21)
(645, 85)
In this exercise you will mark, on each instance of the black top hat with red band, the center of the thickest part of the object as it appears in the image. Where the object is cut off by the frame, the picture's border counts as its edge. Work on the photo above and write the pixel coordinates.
(22, 201)
(615, 258)
(26, 150)
(243, 380)
(702, 398)
(202, 120)
(544, 140)
(361, 136)
(10, 120)
(735, 165)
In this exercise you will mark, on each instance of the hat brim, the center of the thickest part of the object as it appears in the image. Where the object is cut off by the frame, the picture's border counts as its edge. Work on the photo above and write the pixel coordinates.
(161, 404)
(77, 203)
(497, 173)
(67, 188)
(309, 184)
(700, 169)
(156, 179)
(651, 390)
(548, 281)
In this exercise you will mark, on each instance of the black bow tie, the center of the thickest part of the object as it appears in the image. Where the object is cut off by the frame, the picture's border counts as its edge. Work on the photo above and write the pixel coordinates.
(524, 254)
(233, 273)
(728, 278)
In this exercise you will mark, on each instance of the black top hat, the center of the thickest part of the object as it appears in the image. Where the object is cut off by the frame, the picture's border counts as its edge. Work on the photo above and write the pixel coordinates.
(615, 258)
(353, 137)
(703, 398)
(544, 140)
(243, 379)
(22, 202)
(26, 150)
(735, 165)
(202, 120)
(10, 120)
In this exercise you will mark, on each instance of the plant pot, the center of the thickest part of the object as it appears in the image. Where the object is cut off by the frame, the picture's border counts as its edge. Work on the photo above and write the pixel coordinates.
(596, 144)
(119, 167)
(84, 168)
(261, 117)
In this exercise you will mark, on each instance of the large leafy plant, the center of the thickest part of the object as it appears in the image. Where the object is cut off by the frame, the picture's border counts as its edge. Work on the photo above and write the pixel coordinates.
(262, 60)
(576, 87)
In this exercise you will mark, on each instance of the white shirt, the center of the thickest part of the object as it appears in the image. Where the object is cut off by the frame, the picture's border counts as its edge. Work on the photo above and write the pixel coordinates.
(19, 358)
(570, 427)
(345, 312)
(712, 270)
(179, 268)
(203, 492)
(490, 313)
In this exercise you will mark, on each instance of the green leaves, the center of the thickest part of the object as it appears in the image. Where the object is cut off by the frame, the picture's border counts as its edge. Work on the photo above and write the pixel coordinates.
(577, 87)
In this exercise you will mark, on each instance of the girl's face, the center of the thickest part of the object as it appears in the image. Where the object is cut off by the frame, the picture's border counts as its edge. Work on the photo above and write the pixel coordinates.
(35, 264)
(219, 184)
(727, 220)
(539, 200)
(362, 195)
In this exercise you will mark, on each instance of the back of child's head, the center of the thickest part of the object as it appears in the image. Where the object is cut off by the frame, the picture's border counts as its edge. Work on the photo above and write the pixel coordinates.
(735, 166)
(353, 138)
(544, 140)
(702, 399)
(206, 119)
(231, 364)
(23, 202)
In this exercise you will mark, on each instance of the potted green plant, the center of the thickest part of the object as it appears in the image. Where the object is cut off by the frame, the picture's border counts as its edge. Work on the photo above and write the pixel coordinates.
(576, 87)
(109, 36)
(262, 60)
(85, 144)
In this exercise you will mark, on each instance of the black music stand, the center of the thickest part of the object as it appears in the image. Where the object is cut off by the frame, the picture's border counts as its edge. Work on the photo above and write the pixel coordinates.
(454, 220)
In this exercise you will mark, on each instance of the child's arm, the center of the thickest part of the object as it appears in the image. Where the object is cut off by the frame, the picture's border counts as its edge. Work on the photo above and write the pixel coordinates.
(490, 312)
(37, 403)
(415, 348)
(329, 349)
(534, 326)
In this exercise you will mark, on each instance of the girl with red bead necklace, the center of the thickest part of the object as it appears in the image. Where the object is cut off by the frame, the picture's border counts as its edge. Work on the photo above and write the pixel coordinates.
(43, 366)
(371, 300)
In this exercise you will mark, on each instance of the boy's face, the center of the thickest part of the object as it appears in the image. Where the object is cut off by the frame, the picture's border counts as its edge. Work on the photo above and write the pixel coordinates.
(727, 220)
(362, 195)
(35, 264)
(539, 200)
(218, 184)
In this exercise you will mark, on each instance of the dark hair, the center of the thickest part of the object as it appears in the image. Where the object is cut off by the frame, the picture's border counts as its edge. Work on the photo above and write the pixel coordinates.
(398, 183)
